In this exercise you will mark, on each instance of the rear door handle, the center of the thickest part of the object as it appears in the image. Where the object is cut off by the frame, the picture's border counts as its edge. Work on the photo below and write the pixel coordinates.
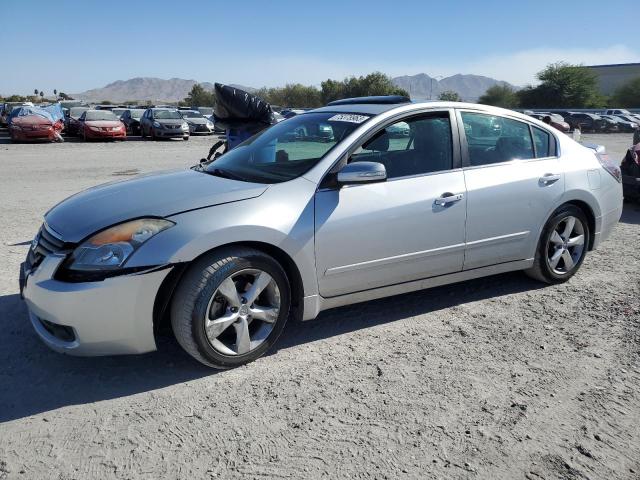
(448, 198)
(549, 178)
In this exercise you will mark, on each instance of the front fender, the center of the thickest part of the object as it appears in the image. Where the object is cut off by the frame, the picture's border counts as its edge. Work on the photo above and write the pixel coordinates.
(282, 217)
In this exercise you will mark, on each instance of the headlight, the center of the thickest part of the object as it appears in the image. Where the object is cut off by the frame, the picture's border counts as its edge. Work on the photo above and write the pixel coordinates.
(157, 124)
(210, 124)
(185, 126)
(110, 249)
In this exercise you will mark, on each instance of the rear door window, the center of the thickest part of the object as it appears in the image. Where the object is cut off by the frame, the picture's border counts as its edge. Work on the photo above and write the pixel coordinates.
(542, 142)
(494, 139)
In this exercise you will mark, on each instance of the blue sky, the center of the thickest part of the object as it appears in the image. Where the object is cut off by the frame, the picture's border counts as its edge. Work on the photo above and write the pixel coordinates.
(77, 45)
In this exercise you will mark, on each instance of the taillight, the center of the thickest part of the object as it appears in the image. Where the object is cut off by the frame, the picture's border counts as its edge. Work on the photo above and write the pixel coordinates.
(610, 166)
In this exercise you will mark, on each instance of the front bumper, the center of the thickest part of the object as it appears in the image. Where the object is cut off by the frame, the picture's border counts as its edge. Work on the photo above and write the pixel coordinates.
(111, 317)
(105, 135)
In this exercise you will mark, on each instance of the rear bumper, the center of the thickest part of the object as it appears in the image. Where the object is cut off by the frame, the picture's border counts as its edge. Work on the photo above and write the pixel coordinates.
(607, 222)
(111, 317)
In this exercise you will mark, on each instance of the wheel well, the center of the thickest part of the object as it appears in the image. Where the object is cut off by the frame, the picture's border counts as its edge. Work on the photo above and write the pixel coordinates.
(591, 218)
(161, 320)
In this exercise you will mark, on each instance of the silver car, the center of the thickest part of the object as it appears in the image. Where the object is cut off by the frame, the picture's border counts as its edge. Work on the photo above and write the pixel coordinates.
(288, 226)
(163, 123)
(198, 124)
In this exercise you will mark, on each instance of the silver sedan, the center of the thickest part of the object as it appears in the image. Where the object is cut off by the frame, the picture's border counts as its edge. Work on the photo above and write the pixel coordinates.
(287, 225)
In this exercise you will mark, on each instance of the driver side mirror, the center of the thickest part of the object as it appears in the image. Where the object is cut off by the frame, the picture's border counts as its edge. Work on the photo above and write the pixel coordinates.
(362, 172)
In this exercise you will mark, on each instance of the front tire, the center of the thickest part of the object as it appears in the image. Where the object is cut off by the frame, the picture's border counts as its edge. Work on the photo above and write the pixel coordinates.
(562, 246)
(231, 307)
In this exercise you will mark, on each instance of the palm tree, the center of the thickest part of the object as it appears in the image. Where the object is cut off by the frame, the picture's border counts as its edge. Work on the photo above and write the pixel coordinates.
(55, 92)
(35, 92)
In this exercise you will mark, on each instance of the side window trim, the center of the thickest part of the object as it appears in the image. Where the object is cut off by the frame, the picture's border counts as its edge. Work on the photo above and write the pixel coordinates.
(464, 145)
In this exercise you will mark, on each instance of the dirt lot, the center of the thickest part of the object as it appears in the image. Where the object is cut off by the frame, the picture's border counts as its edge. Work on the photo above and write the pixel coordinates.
(493, 378)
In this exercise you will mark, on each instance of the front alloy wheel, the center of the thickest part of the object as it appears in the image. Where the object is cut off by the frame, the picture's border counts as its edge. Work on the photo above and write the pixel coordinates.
(242, 312)
(230, 307)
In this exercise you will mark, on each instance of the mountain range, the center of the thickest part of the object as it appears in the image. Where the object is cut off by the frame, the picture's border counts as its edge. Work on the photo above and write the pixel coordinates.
(424, 87)
(420, 87)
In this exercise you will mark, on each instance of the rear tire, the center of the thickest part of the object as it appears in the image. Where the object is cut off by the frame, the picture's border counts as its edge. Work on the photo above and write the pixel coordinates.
(562, 246)
(202, 310)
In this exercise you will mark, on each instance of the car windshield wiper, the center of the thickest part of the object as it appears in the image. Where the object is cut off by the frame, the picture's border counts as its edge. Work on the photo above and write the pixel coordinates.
(218, 172)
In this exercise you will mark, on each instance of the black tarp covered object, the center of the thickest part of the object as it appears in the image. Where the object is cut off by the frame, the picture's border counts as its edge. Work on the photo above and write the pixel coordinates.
(236, 108)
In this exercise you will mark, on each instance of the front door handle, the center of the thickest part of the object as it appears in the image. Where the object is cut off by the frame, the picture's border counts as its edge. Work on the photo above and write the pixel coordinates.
(448, 198)
(549, 178)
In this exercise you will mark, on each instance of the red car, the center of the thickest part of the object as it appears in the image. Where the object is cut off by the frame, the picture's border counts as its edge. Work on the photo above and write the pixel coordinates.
(100, 125)
(34, 127)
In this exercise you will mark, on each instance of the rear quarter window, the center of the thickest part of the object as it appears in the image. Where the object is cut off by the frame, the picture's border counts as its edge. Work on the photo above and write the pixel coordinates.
(542, 142)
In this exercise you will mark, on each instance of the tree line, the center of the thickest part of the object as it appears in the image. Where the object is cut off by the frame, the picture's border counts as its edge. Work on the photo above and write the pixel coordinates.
(563, 86)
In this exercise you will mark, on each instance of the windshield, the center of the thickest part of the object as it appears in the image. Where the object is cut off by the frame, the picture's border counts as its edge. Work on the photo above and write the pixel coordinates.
(100, 115)
(206, 110)
(75, 112)
(166, 114)
(136, 114)
(191, 114)
(287, 150)
(118, 111)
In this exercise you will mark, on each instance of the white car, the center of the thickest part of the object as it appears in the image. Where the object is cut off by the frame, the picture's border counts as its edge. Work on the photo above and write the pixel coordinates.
(288, 225)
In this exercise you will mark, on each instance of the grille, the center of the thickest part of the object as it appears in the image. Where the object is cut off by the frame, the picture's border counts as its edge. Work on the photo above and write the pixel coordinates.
(45, 243)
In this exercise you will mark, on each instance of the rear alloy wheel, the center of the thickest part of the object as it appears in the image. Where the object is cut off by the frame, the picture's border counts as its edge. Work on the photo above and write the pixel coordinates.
(231, 307)
(562, 247)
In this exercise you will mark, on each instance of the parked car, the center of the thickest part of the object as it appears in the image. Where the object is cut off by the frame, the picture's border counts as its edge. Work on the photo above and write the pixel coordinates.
(628, 118)
(622, 124)
(100, 125)
(163, 123)
(131, 119)
(630, 168)
(32, 124)
(207, 112)
(557, 121)
(227, 251)
(71, 122)
(7, 107)
(616, 111)
(118, 111)
(198, 124)
(586, 122)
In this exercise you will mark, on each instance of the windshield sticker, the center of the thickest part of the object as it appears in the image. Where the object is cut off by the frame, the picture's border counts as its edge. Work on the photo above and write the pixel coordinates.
(348, 117)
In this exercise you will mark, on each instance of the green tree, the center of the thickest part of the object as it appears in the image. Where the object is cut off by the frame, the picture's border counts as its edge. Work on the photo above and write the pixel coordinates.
(373, 84)
(199, 97)
(36, 92)
(291, 95)
(64, 96)
(500, 96)
(16, 98)
(449, 96)
(627, 95)
(106, 102)
(563, 86)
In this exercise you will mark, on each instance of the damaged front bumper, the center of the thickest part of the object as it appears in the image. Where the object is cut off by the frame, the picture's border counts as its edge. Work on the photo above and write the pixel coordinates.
(109, 317)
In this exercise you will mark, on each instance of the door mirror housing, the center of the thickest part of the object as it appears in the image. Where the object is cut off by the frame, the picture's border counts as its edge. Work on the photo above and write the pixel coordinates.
(362, 172)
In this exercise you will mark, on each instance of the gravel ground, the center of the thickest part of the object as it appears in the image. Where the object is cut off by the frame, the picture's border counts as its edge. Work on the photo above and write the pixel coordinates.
(494, 378)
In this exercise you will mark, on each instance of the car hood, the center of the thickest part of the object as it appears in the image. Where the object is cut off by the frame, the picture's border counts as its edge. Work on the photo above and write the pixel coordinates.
(197, 121)
(154, 195)
(169, 121)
